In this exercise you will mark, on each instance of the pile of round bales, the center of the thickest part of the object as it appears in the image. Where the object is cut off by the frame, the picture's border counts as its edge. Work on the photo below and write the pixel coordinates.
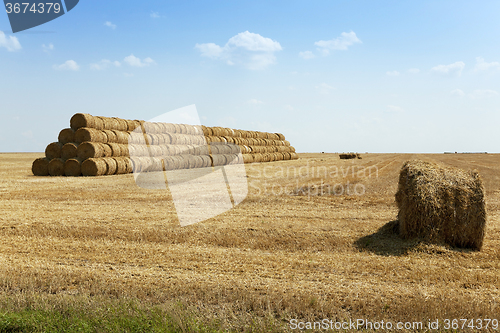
(441, 204)
(347, 156)
(96, 146)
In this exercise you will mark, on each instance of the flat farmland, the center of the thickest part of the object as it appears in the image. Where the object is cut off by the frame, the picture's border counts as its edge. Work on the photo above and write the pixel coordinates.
(313, 239)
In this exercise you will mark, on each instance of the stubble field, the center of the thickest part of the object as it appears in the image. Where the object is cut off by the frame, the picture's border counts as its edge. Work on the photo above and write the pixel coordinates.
(307, 243)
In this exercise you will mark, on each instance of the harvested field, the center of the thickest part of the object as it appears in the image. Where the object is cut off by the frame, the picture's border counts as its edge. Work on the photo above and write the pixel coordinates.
(297, 247)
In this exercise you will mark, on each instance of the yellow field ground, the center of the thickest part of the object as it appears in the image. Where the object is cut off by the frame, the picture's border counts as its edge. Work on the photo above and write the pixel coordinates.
(274, 257)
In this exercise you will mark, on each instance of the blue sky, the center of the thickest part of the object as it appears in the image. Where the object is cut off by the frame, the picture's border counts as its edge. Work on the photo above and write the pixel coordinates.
(333, 76)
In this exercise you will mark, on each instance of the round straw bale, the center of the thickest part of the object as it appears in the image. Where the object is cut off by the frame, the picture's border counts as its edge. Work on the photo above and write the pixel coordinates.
(53, 150)
(168, 128)
(122, 124)
(73, 167)
(94, 167)
(81, 120)
(110, 136)
(121, 137)
(98, 123)
(111, 165)
(219, 160)
(110, 123)
(90, 134)
(136, 164)
(132, 125)
(40, 167)
(294, 156)
(90, 150)
(183, 161)
(69, 150)
(135, 137)
(247, 158)
(107, 150)
(116, 149)
(168, 163)
(66, 135)
(206, 161)
(56, 167)
(122, 165)
(182, 128)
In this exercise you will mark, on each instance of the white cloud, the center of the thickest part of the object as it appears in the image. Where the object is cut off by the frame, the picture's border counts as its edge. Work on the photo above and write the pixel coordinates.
(482, 65)
(457, 92)
(341, 43)
(392, 73)
(306, 55)
(454, 69)
(395, 108)
(476, 94)
(483, 93)
(136, 62)
(414, 70)
(48, 48)
(111, 25)
(69, 65)
(289, 107)
(11, 43)
(251, 50)
(103, 64)
(325, 89)
(154, 14)
(255, 101)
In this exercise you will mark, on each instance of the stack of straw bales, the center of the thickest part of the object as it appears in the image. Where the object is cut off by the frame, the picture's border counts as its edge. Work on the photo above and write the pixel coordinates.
(441, 204)
(96, 146)
(347, 156)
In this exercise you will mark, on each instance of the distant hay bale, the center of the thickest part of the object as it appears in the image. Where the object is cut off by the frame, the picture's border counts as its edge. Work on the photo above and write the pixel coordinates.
(441, 204)
(73, 167)
(69, 150)
(53, 150)
(94, 167)
(56, 167)
(66, 135)
(347, 156)
(90, 150)
(40, 167)
(81, 120)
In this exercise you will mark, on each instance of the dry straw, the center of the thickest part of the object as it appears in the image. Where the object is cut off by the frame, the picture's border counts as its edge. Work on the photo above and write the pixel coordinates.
(66, 135)
(441, 204)
(69, 150)
(56, 167)
(53, 150)
(40, 167)
(73, 167)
